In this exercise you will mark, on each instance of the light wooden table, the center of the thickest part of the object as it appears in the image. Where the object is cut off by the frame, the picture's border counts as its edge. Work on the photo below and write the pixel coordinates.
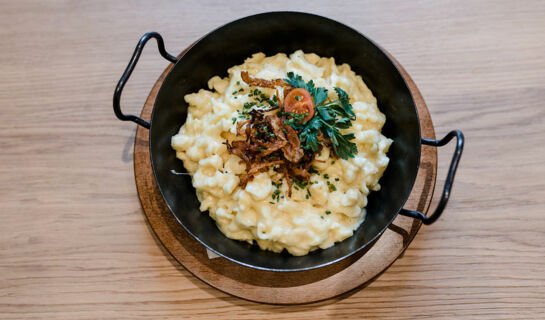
(75, 244)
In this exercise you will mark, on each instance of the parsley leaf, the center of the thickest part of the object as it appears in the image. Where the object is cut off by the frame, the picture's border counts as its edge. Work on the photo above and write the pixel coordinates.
(295, 80)
(329, 118)
(325, 114)
(318, 94)
(345, 101)
(309, 137)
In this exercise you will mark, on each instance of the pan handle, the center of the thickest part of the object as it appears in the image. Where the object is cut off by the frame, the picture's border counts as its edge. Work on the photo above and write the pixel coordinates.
(130, 67)
(450, 177)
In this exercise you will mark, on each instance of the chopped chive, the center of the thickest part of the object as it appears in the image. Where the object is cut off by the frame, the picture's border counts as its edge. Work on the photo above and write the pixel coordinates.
(326, 176)
(336, 179)
(327, 212)
(234, 92)
(238, 83)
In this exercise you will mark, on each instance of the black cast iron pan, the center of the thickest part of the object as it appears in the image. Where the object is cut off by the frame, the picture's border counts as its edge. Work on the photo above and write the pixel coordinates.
(273, 33)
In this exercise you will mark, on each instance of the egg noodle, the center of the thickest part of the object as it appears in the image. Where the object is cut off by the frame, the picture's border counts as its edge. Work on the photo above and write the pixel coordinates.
(326, 209)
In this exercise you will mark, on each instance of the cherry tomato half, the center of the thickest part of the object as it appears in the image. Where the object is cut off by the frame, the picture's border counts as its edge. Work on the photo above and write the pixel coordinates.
(299, 101)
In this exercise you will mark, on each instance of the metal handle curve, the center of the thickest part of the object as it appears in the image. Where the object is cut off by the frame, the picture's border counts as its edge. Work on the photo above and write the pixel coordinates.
(130, 67)
(450, 177)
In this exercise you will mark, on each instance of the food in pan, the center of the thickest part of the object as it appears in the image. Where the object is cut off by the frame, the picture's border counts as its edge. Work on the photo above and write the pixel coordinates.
(284, 151)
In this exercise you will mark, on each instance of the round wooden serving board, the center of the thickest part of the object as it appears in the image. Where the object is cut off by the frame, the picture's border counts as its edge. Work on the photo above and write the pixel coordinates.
(284, 287)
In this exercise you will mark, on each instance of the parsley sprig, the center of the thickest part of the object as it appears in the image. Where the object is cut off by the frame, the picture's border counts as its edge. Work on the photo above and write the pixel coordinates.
(330, 116)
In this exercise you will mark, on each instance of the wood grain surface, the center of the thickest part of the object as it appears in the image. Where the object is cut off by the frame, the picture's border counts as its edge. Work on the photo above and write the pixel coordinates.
(74, 243)
(291, 288)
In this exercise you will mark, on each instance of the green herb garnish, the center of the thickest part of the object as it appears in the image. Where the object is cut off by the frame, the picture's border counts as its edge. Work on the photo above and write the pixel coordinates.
(243, 114)
(294, 118)
(249, 105)
(276, 184)
(276, 195)
(318, 93)
(329, 118)
(276, 192)
(300, 184)
(263, 98)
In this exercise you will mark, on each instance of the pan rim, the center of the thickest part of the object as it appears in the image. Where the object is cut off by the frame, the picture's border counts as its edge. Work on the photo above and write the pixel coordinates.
(410, 183)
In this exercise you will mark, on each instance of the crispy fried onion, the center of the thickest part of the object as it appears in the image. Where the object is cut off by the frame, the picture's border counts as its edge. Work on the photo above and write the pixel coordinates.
(262, 82)
(270, 142)
(285, 87)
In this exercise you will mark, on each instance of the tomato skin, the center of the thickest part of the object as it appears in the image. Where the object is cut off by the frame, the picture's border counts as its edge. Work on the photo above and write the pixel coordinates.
(300, 101)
